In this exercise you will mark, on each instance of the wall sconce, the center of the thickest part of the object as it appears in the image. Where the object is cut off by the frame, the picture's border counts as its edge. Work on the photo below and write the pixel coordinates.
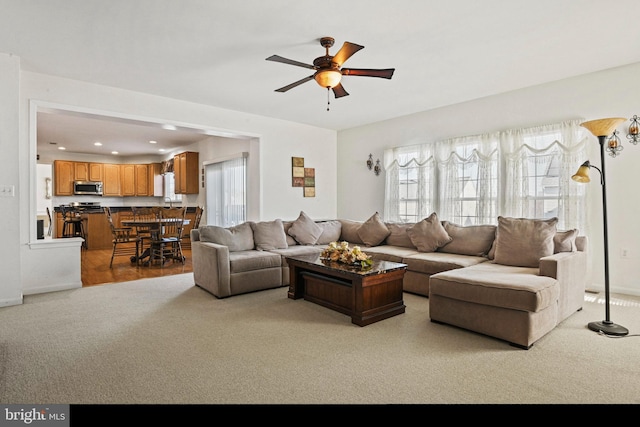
(377, 168)
(634, 131)
(614, 146)
(370, 162)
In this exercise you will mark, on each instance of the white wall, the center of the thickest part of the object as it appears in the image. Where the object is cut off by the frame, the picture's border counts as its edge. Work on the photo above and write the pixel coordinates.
(611, 93)
(32, 266)
(10, 207)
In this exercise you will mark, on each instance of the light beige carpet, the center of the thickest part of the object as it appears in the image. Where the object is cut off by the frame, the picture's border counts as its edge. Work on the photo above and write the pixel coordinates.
(166, 341)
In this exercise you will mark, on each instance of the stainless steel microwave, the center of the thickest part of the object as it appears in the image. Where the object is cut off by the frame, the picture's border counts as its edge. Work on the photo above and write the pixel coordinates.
(93, 188)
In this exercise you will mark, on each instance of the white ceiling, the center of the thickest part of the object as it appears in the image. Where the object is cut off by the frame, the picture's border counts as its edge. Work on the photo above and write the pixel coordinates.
(213, 51)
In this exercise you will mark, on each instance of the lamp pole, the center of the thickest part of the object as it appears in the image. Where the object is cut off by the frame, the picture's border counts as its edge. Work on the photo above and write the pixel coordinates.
(606, 326)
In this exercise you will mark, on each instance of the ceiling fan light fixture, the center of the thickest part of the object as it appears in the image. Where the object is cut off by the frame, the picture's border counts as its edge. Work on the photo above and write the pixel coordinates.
(328, 78)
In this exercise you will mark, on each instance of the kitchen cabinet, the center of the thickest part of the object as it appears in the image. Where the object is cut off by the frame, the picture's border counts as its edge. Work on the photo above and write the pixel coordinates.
(185, 168)
(111, 183)
(95, 172)
(128, 185)
(142, 173)
(63, 175)
(81, 171)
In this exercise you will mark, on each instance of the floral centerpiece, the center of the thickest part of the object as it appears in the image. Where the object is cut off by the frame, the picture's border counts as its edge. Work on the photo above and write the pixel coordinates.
(341, 252)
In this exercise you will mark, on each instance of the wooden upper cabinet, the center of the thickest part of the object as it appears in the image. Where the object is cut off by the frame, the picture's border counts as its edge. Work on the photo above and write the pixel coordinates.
(96, 172)
(111, 183)
(185, 169)
(81, 171)
(128, 183)
(63, 175)
(142, 180)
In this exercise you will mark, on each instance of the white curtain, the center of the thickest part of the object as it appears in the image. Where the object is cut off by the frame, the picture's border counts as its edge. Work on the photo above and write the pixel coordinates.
(474, 179)
(562, 146)
(225, 184)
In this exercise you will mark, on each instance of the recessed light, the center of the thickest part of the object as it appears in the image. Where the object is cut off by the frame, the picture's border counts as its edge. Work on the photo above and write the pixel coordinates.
(97, 144)
(153, 142)
(161, 150)
(169, 127)
(114, 152)
(61, 148)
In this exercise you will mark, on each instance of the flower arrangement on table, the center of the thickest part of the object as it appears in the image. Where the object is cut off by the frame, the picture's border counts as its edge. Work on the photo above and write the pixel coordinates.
(341, 252)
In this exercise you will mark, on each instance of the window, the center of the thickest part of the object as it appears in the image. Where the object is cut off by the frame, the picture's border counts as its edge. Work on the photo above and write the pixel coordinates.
(170, 187)
(225, 182)
(472, 180)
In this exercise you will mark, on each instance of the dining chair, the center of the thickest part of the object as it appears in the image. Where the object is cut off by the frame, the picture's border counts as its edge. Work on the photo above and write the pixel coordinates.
(166, 242)
(144, 231)
(125, 243)
(186, 240)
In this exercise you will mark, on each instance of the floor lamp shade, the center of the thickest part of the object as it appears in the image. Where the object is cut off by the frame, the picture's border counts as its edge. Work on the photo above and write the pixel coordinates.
(602, 128)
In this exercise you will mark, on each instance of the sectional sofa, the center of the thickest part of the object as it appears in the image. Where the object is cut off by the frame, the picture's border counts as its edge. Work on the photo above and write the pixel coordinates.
(514, 281)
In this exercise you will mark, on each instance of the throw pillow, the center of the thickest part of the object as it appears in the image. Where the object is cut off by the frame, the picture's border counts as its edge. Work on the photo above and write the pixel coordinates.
(398, 235)
(428, 234)
(269, 235)
(290, 240)
(522, 242)
(349, 231)
(330, 232)
(565, 241)
(472, 240)
(238, 238)
(373, 231)
(305, 230)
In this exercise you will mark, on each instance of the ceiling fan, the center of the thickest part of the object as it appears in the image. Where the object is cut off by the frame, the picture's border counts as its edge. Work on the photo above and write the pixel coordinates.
(328, 68)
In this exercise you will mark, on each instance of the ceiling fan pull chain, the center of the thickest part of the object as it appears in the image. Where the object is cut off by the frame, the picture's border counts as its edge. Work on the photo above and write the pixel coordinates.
(328, 98)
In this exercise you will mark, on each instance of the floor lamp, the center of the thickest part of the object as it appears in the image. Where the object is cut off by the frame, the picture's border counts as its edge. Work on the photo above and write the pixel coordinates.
(602, 129)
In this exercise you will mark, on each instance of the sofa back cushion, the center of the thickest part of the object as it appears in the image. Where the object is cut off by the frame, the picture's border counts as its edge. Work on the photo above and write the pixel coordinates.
(290, 240)
(398, 235)
(238, 238)
(565, 241)
(331, 231)
(305, 230)
(428, 234)
(475, 240)
(269, 235)
(349, 231)
(523, 241)
(373, 231)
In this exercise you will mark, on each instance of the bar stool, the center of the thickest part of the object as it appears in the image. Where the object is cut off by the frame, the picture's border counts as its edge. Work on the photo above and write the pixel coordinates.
(73, 225)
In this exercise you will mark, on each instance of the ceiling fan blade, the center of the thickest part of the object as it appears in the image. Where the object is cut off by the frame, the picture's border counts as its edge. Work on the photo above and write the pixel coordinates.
(277, 58)
(345, 52)
(294, 84)
(339, 92)
(385, 74)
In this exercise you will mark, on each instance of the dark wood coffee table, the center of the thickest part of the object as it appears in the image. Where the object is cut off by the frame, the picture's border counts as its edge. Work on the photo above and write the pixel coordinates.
(367, 295)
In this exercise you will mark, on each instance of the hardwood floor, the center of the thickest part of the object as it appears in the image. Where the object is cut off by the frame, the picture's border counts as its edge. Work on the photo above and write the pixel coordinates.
(96, 271)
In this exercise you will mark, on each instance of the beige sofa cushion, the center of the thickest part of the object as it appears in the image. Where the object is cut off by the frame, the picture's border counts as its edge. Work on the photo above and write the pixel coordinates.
(305, 230)
(428, 234)
(565, 241)
(398, 235)
(373, 231)
(523, 241)
(269, 235)
(475, 240)
(330, 232)
(238, 238)
(349, 232)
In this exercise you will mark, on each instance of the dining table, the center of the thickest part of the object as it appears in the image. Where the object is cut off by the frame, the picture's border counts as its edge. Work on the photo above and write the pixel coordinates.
(154, 224)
